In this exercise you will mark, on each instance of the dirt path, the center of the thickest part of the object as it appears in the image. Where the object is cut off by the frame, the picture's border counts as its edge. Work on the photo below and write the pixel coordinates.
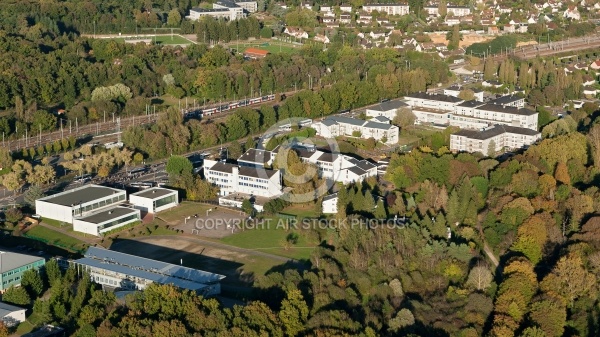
(488, 251)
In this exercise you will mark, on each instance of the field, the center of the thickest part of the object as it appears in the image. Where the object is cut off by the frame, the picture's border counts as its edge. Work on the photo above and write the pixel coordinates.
(271, 235)
(159, 39)
(272, 47)
(55, 238)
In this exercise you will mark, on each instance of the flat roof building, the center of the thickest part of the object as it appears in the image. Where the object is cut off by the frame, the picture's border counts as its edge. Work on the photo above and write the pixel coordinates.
(66, 206)
(155, 199)
(107, 220)
(13, 265)
(129, 272)
(386, 109)
(493, 139)
(11, 315)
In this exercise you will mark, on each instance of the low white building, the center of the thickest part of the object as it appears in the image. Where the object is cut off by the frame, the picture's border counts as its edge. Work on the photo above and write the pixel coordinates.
(256, 158)
(509, 100)
(432, 101)
(121, 271)
(11, 315)
(232, 178)
(386, 109)
(155, 199)
(103, 221)
(455, 91)
(390, 9)
(335, 126)
(501, 137)
(329, 204)
(66, 206)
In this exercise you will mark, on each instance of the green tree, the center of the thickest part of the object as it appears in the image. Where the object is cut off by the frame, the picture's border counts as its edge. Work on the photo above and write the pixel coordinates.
(248, 208)
(467, 95)
(179, 166)
(32, 282)
(480, 277)
(16, 295)
(489, 69)
(44, 120)
(236, 127)
(174, 18)
(293, 313)
(52, 271)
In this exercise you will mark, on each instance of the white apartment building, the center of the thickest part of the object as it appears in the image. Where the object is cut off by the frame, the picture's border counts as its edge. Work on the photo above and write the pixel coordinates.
(390, 9)
(78, 202)
(343, 126)
(329, 204)
(509, 100)
(456, 89)
(386, 109)
(256, 158)
(225, 9)
(232, 178)
(504, 137)
(433, 10)
(443, 110)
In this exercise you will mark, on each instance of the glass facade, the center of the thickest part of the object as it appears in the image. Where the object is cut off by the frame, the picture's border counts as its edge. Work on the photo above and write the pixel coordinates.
(77, 211)
(118, 222)
(165, 201)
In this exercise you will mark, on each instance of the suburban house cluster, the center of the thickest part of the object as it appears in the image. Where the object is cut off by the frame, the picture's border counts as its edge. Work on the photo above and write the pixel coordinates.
(95, 209)
(503, 120)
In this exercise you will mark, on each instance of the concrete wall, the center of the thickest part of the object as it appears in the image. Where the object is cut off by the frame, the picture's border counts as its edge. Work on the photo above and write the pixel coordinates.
(54, 211)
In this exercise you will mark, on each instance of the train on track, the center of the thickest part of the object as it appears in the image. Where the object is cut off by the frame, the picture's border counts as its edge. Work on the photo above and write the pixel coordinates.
(198, 113)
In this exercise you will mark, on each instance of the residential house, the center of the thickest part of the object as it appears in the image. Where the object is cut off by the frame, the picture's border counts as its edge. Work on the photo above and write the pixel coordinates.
(595, 65)
(364, 19)
(306, 5)
(458, 10)
(493, 30)
(321, 38)
(345, 18)
(588, 80)
(329, 204)
(296, 32)
(346, 8)
(452, 20)
(572, 13)
(326, 9)
(508, 28)
(590, 91)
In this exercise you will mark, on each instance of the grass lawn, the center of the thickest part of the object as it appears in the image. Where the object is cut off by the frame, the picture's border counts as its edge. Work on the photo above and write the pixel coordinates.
(271, 236)
(24, 328)
(168, 39)
(183, 210)
(55, 238)
(272, 47)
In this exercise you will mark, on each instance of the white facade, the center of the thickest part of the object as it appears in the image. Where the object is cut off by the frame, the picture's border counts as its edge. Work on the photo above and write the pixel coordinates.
(329, 204)
(129, 272)
(11, 315)
(386, 109)
(154, 200)
(390, 9)
(232, 178)
(445, 110)
(458, 10)
(225, 10)
(249, 6)
(503, 137)
(66, 206)
(343, 126)
(106, 220)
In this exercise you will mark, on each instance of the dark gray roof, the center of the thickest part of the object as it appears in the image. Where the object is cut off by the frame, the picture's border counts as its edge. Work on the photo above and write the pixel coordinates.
(377, 125)
(228, 4)
(304, 153)
(154, 193)
(454, 88)
(222, 167)
(506, 99)
(495, 131)
(10, 260)
(113, 213)
(162, 270)
(365, 165)
(494, 82)
(389, 105)
(357, 170)
(329, 122)
(209, 10)
(329, 197)
(81, 195)
(328, 157)
(256, 172)
(347, 120)
(6, 309)
(471, 104)
(507, 109)
(435, 97)
(381, 119)
(256, 156)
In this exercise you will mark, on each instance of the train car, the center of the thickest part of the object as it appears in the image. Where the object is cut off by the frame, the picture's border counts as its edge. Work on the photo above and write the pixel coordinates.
(224, 107)
(255, 100)
(234, 105)
(271, 97)
(209, 111)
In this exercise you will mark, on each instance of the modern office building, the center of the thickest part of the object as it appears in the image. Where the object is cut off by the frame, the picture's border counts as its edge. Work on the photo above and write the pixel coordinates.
(256, 158)
(106, 220)
(493, 139)
(82, 201)
(231, 178)
(129, 272)
(154, 200)
(13, 265)
(11, 315)
(334, 126)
